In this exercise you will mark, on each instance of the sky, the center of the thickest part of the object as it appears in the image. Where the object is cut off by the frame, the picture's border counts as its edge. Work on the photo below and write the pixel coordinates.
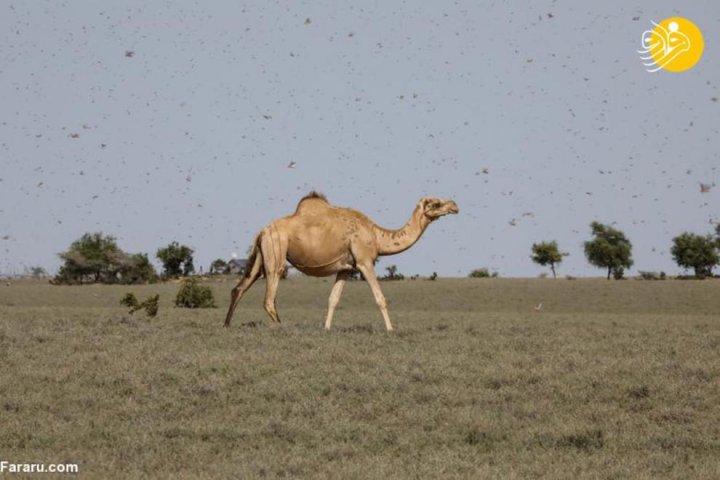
(176, 121)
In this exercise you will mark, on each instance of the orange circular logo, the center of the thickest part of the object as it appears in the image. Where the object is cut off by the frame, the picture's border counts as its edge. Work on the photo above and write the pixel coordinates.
(676, 44)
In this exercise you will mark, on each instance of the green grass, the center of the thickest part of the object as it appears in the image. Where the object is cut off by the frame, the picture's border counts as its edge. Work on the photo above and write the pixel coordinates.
(616, 379)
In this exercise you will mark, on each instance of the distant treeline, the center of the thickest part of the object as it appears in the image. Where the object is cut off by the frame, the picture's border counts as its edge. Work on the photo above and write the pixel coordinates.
(97, 258)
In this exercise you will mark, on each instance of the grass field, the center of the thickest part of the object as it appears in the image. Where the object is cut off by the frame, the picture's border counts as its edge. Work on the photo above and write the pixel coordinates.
(616, 379)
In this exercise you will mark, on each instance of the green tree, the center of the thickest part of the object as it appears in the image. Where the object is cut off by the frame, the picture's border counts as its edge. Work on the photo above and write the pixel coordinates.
(38, 272)
(96, 257)
(697, 252)
(609, 249)
(177, 260)
(136, 268)
(392, 273)
(218, 266)
(92, 258)
(547, 253)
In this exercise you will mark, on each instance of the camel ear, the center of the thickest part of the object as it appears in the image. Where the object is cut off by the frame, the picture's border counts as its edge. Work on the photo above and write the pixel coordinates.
(424, 201)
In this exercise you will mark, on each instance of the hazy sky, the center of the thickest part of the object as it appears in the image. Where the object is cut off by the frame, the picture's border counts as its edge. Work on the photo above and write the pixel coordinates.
(177, 120)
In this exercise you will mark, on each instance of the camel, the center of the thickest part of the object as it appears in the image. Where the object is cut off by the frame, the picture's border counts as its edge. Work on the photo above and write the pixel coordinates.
(322, 240)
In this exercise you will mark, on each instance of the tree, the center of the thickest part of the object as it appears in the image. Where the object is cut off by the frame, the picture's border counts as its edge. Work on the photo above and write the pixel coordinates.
(92, 258)
(218, 267)
(547, 253)
(136, 268)
(392, 273)
(609, 249)
(697, 252)
(38, 272)
(177, 260)
(96, 257)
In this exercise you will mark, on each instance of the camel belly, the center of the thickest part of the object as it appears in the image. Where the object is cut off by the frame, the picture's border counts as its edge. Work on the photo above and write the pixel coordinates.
(322, 267)
(319, 246)
(325, 271)
(320, 264)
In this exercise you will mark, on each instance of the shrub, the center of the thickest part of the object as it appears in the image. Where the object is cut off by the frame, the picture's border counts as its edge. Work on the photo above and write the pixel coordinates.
(483, 273)
(194, 295)
(583, 441)
(479, 273)
(652, 275)
(150, 305)
(129, 300)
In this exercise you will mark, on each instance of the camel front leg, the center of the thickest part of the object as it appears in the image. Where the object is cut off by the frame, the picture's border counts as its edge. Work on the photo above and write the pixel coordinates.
(368, 272)
(335, 296)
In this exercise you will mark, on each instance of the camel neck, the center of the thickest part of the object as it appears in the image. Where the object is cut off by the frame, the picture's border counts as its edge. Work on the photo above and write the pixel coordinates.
(390, 242)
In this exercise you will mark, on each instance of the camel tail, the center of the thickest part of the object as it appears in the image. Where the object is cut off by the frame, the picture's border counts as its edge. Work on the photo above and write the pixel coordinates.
(253, 270)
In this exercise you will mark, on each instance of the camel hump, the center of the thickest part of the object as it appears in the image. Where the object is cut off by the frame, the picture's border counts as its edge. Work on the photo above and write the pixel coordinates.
(312, 202)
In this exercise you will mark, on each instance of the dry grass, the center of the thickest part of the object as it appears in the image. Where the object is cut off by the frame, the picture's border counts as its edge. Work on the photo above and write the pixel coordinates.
(608, 380)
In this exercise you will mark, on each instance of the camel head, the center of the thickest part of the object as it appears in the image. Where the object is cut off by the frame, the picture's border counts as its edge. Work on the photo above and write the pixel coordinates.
(434, 208)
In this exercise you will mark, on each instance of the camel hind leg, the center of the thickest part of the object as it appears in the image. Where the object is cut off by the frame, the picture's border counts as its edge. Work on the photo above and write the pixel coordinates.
(274, 250)
(252, 274)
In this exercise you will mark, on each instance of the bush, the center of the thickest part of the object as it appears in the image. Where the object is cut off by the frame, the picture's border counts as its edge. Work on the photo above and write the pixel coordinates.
(150, 305)
(479, 273)
(483, 273)
(129, 300)
(194, 295)
(652, 275)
